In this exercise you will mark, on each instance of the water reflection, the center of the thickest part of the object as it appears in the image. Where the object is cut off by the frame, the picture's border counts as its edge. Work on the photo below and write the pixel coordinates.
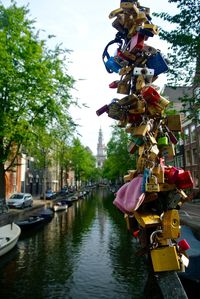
(85, 252)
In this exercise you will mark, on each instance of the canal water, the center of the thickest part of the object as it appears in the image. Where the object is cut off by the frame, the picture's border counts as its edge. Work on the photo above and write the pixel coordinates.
(84, 253)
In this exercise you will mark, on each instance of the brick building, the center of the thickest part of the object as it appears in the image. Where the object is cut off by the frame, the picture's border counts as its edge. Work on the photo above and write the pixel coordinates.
(188, 150)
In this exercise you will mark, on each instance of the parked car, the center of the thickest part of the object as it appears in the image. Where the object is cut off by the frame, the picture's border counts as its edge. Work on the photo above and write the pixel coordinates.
(64, 191)
(49, 194)
(20, 200)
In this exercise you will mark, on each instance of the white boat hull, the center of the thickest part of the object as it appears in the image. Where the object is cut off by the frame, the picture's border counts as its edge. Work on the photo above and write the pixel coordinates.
(9, 235)
(57, 208)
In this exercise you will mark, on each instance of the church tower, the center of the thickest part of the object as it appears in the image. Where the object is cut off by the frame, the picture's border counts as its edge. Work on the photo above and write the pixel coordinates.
(101, 150)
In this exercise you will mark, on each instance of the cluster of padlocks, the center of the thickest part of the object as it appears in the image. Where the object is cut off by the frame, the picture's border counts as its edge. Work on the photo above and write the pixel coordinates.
(153, 192)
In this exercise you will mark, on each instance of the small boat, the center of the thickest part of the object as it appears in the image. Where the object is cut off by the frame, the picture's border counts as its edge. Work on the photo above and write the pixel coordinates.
(31, 222)
(9, 235)
(47, 214)
(60, 206)
(192, 272)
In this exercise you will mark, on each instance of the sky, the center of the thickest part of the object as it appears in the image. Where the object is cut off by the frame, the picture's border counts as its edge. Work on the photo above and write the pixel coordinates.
(84, 28)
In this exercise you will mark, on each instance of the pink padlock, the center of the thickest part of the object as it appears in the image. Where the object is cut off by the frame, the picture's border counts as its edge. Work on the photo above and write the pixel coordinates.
(183, 244)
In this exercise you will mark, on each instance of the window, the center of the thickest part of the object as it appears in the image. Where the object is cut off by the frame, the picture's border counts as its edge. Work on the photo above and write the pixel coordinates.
(193, 133)
(188, 158)
(194, 156)
(196, 179)
(186, 136)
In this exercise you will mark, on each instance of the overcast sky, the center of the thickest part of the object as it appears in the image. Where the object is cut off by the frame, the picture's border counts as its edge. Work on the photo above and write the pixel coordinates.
(84, 28)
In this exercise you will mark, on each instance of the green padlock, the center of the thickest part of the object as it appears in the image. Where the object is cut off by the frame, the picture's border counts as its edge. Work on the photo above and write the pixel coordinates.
(163, 141)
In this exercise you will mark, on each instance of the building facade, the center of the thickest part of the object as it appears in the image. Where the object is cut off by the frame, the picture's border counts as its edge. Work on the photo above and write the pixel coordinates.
(188, 149)
(101, 150)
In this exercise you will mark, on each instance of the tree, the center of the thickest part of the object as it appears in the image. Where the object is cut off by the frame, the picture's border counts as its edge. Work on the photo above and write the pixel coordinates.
(184, 51)
(82, 161)
(34, 85)
(118, 160)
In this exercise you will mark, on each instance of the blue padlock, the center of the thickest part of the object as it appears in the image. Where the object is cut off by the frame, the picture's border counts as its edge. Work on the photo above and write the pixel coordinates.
(157, 63)
(112, 65)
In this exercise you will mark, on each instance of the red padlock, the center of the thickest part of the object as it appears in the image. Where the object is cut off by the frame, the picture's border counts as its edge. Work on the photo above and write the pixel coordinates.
(150, 95)
(114, 84)
(171, 174)
(137, 41)
(183, 244)
(184, 180)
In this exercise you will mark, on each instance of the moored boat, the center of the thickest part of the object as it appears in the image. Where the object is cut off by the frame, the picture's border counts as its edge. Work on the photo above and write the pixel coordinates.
(60, 206)
(31, 222)
(9, 235)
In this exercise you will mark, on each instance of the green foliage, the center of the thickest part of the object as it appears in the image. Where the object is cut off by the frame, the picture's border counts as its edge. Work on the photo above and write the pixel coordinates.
(34, 86)
(184, 39)
(184, 51)
(118, 160)
(82, 161)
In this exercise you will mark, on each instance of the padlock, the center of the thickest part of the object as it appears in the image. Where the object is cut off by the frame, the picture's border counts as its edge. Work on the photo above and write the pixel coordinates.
(140, 131)
(141, 164)
(114, 84)
(164, 187)
(140, 107)
(151, 27)
(165, 258)
(170, 224)
(115, 12)
(133, 30)
(127, 178)
(126, 55)
(171, 174)
(162, 103)
(124, 85)
(132, 173)
(154, 111)
(173, 122)
(184, 180)
(158, 63)
(153, 152)
(152, 184)
(151, 138)
(130, 7)
(171, 136)
(162, 141)
(118, 23)
(158, 171)
(150, 95)
(140, 18)
(137, 42)
(140, 83)
(112, 65)
(146, 219)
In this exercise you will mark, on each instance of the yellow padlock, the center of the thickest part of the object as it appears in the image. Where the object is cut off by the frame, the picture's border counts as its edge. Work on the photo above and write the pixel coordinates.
(165, 259)
(147, 219)
(170, 224)
(152, 184)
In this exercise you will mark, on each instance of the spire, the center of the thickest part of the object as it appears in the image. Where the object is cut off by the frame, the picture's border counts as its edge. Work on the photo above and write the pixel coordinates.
(101, 156)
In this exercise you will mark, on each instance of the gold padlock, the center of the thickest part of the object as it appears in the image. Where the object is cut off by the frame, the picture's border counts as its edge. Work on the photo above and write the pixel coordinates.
(140, 83)
(124, 85)
(140, 131)
(115, 12)
(158, 171)
(173, 122)
(167, 187)
(152, 27)
(152, 184)
(170, 224)
(140, 107)
(153, 152)
(165, 259)
(141, 164)
(147, 219)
